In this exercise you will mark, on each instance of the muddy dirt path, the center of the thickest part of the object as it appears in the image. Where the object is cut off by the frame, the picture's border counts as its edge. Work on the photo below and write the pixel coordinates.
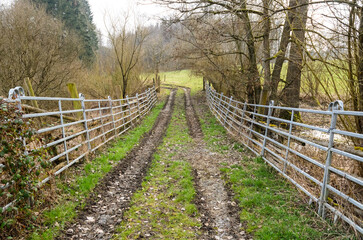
(111, 197)
(215, 202)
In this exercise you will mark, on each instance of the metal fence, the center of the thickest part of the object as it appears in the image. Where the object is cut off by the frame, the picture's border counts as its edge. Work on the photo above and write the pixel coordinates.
(317, 156)
(72, 128)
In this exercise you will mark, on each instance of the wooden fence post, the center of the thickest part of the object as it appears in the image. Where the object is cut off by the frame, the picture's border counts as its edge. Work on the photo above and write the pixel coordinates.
(74, 94)
(31, 91)
(158, 84)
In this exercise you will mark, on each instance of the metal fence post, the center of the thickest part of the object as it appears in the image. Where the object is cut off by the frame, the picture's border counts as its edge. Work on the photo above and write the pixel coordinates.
(138, 106)
(147, 101)
(15, 94)
(289, 140)
(267, 125)
(242, 117)
(128, 105)
(81, 96)
(153, 92)
(235, 109)
(113, 117)
(211, 99)
(227, 111)
(207, 92)
(251, 126)
(101, 119)
(122, 115)
(220, 103)
(208, 96)
(63, 130)
(334, 106)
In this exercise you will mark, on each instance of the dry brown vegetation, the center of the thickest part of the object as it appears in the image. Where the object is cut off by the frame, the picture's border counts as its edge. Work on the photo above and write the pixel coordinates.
(276, 50)
(34, 45)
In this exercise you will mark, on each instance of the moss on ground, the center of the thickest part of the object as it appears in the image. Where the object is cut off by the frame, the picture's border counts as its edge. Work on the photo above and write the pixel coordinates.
(164, 208)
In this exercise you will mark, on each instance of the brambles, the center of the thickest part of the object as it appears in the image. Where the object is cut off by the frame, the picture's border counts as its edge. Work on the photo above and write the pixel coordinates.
(21, 169)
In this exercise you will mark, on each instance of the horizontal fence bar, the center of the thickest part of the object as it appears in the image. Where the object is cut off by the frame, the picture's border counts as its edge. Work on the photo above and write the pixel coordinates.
(49, 98)
(33, 115)
(74, 140)
(244, 120)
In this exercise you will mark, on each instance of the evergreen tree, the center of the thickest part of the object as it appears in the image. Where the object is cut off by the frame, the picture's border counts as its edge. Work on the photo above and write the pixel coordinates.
(76, 16)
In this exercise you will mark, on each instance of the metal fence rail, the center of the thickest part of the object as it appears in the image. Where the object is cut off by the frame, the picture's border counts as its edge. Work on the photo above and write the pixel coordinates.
(322, 167)
(70, 134)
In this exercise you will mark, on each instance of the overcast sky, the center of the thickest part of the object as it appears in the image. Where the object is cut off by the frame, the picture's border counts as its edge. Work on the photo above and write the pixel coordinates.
(115, 8)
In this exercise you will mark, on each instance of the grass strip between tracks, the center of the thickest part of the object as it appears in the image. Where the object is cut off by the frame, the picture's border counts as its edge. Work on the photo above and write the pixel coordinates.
(75, 186)
(164, 208)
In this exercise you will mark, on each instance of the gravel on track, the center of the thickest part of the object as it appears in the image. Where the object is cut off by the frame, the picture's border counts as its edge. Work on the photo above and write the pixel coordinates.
(215, 200)
(104, 208)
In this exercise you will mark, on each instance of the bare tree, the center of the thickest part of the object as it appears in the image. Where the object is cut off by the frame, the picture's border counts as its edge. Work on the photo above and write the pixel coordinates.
(155, 50)
(191, 9)
(280, 56)
(126, 42)
(291, 91)
(359, 120)
(34, 45)
(266, 46)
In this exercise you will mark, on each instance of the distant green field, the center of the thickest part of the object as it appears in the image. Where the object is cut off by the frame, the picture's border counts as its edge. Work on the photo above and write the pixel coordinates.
(183, 78)
(328, 79)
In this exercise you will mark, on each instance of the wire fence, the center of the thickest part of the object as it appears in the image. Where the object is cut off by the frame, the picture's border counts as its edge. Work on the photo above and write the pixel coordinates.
(318, 157)
(72, 128)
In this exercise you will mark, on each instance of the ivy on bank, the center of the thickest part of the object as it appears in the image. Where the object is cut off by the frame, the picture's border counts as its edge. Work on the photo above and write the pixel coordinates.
(20, 169)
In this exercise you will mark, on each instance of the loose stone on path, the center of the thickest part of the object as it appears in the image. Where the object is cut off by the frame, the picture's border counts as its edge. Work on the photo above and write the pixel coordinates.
(105, 207)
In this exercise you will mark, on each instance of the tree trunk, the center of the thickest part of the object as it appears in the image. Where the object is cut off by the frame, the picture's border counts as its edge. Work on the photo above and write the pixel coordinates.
(360, 84)
(352, 83)
(253, 82)
(266, 47)
(124, 87)
(285, 36)
(291, 92)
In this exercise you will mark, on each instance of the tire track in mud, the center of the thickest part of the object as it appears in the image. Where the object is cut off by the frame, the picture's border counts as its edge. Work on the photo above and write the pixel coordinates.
(214, 201)
(104, 208)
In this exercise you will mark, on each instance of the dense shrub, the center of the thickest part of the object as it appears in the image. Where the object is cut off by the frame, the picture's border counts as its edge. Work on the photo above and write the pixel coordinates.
(21, 169)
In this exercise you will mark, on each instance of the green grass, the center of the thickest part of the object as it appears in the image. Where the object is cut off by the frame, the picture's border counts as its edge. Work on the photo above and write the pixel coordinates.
(271, 207)
(333, 79)
(73, 194)
(184, 78)
(164, 208)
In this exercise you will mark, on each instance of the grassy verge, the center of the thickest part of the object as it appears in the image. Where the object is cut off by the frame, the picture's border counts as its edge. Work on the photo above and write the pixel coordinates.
(184, 78)
(163, 208)
(74, 190)
(271, 207)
